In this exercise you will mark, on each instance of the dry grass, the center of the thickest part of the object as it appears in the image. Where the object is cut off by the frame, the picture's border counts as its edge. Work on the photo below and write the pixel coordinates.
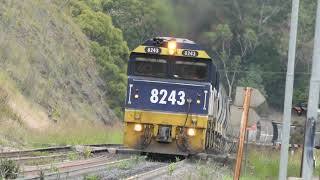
(67, 133)
(75, 132)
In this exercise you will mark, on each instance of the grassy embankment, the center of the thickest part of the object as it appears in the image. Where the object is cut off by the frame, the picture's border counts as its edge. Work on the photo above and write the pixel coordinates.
(70, 133)
(14, 132)
(47, 74)
(264, 165)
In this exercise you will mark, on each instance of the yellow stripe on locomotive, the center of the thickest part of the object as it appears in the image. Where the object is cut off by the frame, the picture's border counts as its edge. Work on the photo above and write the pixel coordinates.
(166, 51)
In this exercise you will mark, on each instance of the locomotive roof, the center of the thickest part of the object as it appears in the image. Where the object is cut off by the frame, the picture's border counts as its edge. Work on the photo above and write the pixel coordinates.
(185, 47)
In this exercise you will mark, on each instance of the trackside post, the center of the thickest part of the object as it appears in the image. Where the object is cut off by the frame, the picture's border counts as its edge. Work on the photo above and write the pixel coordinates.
(313, 102)
(289, 92)
(243, 127)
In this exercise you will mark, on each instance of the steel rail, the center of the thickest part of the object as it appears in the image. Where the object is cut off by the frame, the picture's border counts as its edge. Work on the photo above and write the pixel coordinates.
(78, 170)
(12, 154)
(35, 158)
(22, 153)
(156, 172)
(64, 165)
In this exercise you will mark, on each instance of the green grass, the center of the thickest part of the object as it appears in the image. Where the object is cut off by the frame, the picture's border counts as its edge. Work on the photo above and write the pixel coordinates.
(262, 165)
(92, 177)
(75, 133)
(265, 165)
(128, 164)
(8, 169)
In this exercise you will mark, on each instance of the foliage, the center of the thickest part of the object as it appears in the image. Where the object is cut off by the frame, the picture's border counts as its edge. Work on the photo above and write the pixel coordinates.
(141, 19)
(41, 174)
(8, 169)
(171, 168)
(236, 35)
(73, 155)
(87, 152)
(108, 47)
(253, 79)
(221, 39)
(130, 163)
(92, 177)
(248, 40)
(265, 164)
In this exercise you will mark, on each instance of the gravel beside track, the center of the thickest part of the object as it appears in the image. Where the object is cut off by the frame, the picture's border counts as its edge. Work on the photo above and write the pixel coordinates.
(196, 170)
(159, 172)
(125, 172)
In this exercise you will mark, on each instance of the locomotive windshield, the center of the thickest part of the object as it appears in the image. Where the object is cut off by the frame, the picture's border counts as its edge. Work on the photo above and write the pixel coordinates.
(190, 70)
(171, 68)
(150, 67)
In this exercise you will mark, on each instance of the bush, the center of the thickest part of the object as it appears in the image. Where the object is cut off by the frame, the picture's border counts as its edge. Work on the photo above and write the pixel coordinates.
(8, 169)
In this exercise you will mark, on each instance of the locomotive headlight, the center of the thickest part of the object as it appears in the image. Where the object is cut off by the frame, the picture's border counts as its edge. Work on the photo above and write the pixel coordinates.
(137, 127)
(198, 99)
(172, 46)
(136, 95)
(191, 132)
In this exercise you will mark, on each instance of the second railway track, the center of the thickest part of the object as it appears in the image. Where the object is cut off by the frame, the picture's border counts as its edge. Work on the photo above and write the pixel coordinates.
(73, 169)
(108, 161)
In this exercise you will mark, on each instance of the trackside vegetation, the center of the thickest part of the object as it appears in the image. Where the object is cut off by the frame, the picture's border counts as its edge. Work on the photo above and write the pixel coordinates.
(265, 165)
(108, 48)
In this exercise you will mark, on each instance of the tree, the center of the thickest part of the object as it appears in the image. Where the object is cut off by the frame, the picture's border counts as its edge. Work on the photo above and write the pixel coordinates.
(223, 42)
(108, 48)
(238, 30)
(141, 19)
(253, 78)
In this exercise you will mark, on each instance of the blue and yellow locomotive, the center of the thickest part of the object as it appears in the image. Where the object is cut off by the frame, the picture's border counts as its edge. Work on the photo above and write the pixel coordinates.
(174, 103)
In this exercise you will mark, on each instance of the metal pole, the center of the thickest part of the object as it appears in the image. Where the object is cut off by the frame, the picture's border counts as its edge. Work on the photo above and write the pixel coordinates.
(304, 135)
(288, 92)
(246, 153)
(243, 127)
(312, 114)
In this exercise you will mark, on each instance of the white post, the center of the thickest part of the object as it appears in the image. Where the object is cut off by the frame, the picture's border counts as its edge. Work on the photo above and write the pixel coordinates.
(313, 102)
(288, 92)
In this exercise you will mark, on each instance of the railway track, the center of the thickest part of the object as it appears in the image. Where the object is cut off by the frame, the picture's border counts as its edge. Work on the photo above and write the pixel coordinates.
(27, 159)
(58, 149)
(56, 154)
(34, 152)
(71, 169)
(152, 174)
(108, 161)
